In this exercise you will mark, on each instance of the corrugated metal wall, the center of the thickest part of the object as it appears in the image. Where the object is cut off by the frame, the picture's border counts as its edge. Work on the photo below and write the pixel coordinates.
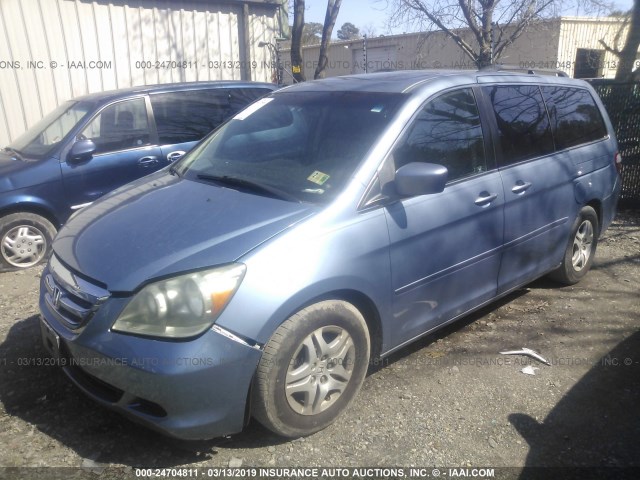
(586, 33)
(53, 50)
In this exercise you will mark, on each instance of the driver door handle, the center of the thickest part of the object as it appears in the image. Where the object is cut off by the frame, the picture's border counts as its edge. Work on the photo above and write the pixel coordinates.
(173, 156)
(147, 161)
(485, 199)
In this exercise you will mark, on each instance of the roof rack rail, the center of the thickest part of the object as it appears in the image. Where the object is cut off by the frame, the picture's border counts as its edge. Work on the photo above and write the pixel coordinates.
(529, 71)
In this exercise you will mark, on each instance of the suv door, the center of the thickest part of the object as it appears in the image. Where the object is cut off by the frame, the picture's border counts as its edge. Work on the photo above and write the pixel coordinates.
(125, 151)
(445, 248)
(539, 199)
(183, 118)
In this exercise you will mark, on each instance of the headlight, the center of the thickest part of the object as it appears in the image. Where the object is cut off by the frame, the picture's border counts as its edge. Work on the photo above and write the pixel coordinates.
(183, 306)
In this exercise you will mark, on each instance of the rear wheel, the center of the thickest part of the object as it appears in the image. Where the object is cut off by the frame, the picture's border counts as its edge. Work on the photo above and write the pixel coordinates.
(581, 248)
(311, 369)
(25, 240)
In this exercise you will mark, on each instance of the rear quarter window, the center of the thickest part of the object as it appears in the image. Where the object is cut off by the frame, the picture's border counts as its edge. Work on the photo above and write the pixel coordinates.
(575, 117)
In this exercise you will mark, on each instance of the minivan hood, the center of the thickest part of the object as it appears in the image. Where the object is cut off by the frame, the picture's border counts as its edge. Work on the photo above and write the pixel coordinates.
(167, 225)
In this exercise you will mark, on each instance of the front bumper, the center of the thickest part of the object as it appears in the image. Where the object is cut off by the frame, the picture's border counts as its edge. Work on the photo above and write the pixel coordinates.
(194, 389)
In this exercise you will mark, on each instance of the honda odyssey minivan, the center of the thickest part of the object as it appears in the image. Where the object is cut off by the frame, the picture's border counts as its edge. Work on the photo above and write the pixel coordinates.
(328, 223)
(90, 145)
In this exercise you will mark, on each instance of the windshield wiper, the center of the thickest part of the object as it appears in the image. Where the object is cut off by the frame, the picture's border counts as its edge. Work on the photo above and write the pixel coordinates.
(249, 185)
(13, 151)
(173, 170)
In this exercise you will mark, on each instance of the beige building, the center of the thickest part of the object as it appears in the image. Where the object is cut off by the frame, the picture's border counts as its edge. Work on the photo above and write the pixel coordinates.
(54, 50)
(571, 44)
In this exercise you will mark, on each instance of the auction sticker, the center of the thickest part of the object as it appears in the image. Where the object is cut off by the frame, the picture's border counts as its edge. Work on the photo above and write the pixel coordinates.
(318, 177)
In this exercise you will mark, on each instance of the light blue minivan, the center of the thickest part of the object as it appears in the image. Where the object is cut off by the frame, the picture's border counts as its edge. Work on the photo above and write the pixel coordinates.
(329, 223)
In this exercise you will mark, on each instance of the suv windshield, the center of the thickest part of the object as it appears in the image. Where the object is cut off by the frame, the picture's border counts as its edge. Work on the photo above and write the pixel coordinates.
(39, 140)
(299, 146)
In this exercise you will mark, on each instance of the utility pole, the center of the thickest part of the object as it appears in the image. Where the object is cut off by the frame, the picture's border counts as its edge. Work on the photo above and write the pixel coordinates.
(493, 40)
(364, 52)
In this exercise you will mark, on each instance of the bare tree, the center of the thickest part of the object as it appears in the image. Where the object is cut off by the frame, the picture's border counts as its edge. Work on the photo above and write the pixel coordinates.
(627, 55)
(369, 30)
(297, 32)
(302, 34)
(493, 24)
(333, 7)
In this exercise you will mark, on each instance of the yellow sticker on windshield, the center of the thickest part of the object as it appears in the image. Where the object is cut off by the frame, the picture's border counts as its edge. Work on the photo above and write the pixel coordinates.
(318, 177)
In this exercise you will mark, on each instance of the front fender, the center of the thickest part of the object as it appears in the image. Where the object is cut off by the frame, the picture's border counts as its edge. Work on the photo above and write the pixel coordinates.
(311, 262)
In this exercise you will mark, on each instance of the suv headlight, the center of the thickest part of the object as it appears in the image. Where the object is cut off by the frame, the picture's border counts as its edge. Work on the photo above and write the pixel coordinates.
(182, 306)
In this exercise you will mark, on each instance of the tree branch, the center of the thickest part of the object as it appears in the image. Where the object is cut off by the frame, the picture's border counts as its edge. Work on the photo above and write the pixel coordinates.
(466, 48)
(520, 26)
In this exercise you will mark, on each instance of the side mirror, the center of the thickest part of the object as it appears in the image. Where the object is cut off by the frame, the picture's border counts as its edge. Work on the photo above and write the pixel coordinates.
(419, 178)
(82, 150)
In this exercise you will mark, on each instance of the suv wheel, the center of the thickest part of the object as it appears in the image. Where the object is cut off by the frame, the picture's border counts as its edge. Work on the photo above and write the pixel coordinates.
(311, 369)
(25, 240)
(581, 248)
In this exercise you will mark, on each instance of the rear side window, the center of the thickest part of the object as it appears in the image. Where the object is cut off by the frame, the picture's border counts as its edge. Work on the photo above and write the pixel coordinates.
(523, 124)
(446, 132)
(239, 98)
(188, 116)
(575, 117)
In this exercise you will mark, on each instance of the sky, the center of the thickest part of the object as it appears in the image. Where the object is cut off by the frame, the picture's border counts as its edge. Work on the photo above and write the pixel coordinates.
(375, 13)
(358, 12)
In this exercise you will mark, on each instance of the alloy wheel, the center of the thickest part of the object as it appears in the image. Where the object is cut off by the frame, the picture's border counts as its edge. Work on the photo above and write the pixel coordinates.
(582, 243)
(23, 246)
(320, 370)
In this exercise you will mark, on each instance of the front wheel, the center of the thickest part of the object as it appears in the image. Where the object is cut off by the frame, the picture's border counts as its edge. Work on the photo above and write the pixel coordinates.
(311, 369)
(580, 250)
(25, 240)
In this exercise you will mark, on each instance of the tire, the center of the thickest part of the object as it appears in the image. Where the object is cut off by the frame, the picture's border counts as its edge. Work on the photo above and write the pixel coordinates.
(25, 240)
(298, 388)
(581, 248)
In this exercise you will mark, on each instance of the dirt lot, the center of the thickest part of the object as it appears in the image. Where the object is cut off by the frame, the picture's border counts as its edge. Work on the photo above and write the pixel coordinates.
(449, 400)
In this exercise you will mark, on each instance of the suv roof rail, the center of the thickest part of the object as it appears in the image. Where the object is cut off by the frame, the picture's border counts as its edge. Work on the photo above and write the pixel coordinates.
(529, 71)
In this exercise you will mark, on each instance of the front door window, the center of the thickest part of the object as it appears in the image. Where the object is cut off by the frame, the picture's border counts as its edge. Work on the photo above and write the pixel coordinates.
(121, 126)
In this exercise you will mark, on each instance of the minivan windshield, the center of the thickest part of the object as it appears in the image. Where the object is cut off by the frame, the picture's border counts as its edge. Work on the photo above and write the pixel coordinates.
(301, 146)
(44, 136)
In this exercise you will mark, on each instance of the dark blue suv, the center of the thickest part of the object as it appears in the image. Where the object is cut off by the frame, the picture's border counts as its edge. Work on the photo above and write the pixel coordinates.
(93, 144)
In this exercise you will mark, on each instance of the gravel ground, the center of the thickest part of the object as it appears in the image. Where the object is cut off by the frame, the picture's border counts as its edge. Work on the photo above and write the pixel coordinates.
(447, 400)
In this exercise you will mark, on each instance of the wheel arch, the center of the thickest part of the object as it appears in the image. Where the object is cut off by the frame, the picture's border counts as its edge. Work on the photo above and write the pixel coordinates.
(596, 204)
(276, 409)
(31, 207)
(367, 308)
(362, 302)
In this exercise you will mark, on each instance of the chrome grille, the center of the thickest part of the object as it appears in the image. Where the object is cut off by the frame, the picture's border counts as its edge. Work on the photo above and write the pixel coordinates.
(73, 299)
